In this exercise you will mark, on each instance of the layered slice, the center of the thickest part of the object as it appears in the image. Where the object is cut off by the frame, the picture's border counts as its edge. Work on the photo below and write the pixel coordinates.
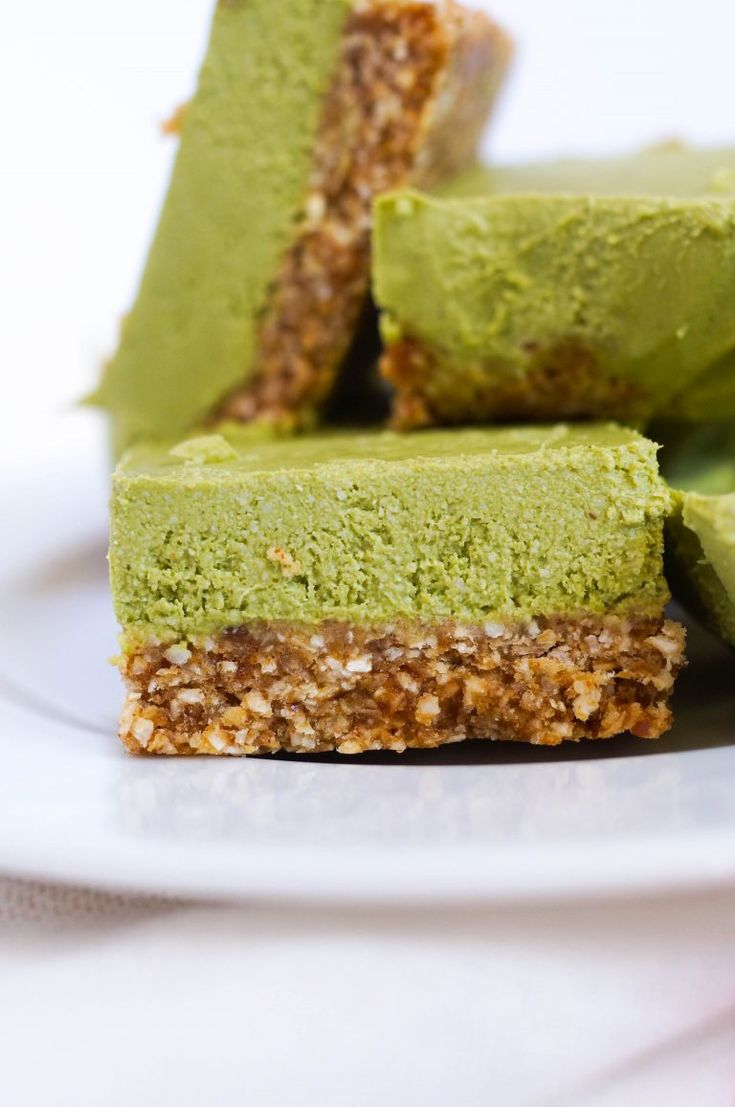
(541, 305)
(700, 463)
(383, 591)
(258, 270)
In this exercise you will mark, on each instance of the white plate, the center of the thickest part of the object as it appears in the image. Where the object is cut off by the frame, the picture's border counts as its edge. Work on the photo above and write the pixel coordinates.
(489, 822)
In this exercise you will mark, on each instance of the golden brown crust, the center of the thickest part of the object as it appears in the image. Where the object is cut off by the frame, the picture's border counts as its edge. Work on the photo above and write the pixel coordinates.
(270, 687)
(410, 95)
(563, 382)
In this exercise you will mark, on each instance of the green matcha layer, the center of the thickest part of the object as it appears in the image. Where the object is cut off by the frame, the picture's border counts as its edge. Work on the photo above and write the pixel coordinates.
(555, 305)
(374, 527)
(701, 534)
(259, 267)
(667, 170)
(367, 591)
(671, 170)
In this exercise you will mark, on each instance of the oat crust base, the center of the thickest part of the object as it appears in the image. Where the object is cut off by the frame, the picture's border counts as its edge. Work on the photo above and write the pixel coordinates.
(336, 686)
(564, 382)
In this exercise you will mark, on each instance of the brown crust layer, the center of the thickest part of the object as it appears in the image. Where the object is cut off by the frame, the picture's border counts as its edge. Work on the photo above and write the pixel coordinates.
(564, 382)
(412, 90)
(335, 686)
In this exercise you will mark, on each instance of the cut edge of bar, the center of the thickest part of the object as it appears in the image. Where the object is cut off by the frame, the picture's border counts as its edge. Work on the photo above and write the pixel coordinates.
(438, 69)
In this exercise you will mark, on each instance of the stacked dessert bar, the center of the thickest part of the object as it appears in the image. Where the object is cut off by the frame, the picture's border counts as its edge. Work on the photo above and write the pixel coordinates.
(287, 584)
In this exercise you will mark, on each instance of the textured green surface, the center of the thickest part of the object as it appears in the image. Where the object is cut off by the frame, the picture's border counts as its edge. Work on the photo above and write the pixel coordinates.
(669, 170)
(645, 285)
(662, 171)
(465, 524)
(712, 520)
(701, 535)
(238, 188)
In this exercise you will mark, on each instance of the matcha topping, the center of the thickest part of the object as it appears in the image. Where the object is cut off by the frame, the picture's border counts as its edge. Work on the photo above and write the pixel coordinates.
(238, 191)
(669, 170)
(701, 462)
(644, 286)
(712, 518)
(470, 525)
(701, 557)
(206, 449)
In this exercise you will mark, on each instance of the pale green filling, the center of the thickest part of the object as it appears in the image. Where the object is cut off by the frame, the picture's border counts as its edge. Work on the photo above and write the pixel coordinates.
(701, 462)
(468, 525)
(662, 171)
(712, 520)
(645, 285)
(238, 190)
(670, 170)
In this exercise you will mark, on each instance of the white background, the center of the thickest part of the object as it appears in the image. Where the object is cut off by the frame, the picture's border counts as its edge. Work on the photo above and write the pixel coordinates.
(84, 85)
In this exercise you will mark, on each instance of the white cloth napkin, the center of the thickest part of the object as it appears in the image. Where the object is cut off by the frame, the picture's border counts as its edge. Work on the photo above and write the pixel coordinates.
(109, 1001)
